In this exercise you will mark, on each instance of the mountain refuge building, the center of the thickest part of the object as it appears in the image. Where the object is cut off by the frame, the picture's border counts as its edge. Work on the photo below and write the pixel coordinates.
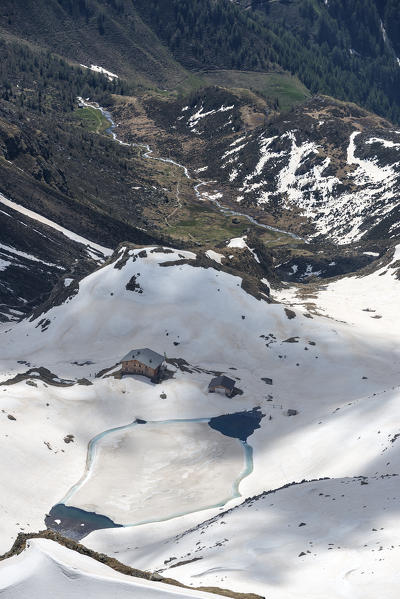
(222, 383)
(144, 361)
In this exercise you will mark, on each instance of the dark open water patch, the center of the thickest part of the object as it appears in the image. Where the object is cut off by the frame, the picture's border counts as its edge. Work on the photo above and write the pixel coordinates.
(240, 425)
(75, 523)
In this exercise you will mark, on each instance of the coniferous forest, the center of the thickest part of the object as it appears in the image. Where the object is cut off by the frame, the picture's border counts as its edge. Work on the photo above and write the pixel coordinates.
(344, 49)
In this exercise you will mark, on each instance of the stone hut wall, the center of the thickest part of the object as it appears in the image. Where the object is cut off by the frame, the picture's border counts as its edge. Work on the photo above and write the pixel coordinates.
(135, 367)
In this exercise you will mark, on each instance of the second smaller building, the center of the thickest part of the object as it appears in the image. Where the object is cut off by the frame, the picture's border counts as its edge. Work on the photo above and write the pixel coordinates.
(222, 383)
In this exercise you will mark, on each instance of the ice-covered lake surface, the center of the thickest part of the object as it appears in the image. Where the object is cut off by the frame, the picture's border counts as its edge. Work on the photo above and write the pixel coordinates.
(153, 471)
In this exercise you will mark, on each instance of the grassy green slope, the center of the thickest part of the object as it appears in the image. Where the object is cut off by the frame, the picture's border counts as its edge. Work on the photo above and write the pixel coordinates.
(91, 119)
(283, 88)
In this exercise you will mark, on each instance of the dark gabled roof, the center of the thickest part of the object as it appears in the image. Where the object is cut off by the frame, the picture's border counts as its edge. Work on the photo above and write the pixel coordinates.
(223, 381)
(145, 356)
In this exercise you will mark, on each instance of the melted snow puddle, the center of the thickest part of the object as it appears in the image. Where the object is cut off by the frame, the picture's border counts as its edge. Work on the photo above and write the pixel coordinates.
(76, 523)
(148, 151)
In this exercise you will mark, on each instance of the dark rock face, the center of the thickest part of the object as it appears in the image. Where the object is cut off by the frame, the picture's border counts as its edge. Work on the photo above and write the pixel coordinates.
(301, 269)
(39, 374)
(290, 313)
(75, 523)
(240, 425)
(34, 257)
(133, 285)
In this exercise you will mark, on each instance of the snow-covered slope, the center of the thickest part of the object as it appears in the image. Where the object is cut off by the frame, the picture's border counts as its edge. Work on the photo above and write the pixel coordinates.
(367, 301)
(46, 569)
(343, 430)
(326, 539)
(104, 318)
(339, 381)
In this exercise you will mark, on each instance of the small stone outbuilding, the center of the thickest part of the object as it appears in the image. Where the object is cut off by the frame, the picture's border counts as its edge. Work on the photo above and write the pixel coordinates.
(291, 412)
(144, 361)
(222, 383)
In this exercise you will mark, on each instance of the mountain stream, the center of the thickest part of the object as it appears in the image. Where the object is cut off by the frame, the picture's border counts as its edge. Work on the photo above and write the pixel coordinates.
(197, 183)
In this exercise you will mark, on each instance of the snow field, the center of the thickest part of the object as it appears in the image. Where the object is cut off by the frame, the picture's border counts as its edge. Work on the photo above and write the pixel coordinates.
(329, 539)
(42, 467)
(368, 303)
(215, 256)
(46, 569)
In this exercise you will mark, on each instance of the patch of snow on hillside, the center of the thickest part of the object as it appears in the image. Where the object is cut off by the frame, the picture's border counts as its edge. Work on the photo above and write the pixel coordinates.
(4, 264)
(233, 174)
(266, 282)
(287, 176)
(215, 256)
(368, 170)
(234, 150)
(217, 195)
(194, 120)
(237, 141)
(237, 242)
(10, 250)
(93, 67)
(256, 258)
(265, 156)
(385, 142)
(240, 242)
(309, 272)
